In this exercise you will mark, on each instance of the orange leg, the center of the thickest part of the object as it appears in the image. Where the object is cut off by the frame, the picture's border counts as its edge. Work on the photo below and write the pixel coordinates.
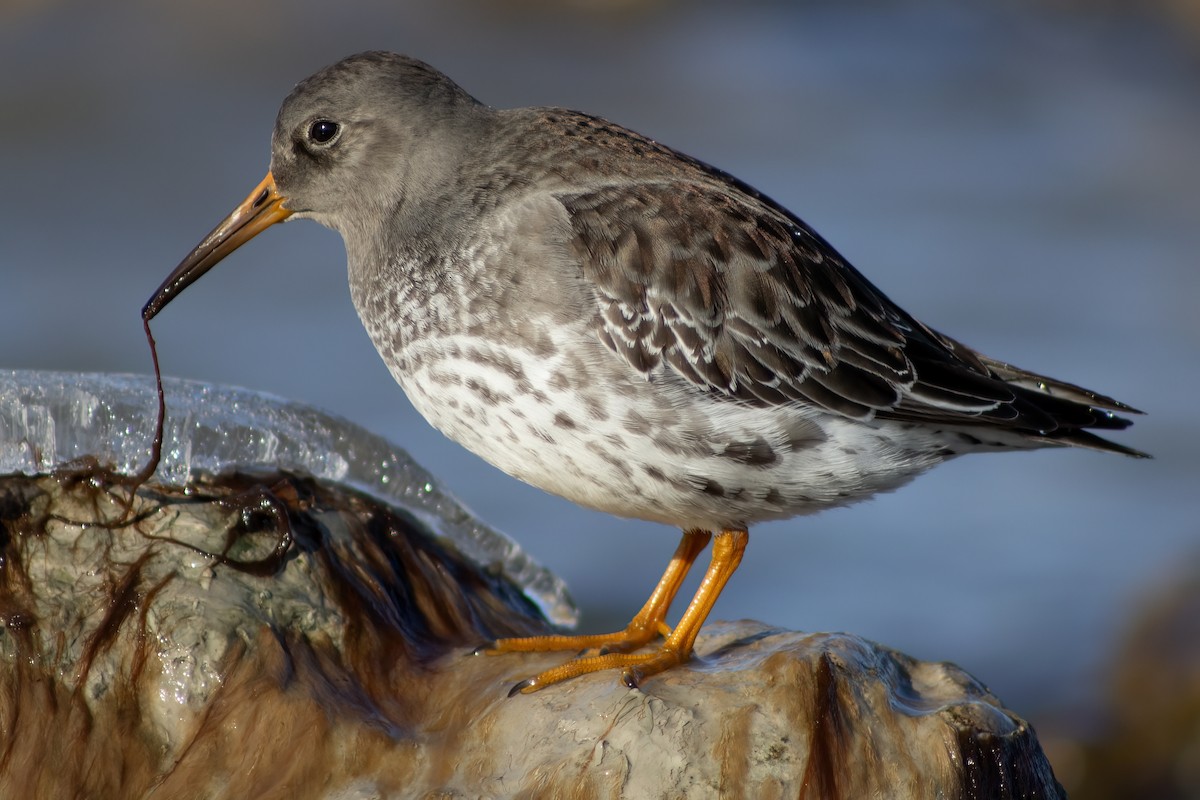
(728, 548)
(645, 625)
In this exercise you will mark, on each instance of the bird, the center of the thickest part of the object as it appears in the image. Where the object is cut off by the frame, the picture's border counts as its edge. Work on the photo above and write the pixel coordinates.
(628, 327)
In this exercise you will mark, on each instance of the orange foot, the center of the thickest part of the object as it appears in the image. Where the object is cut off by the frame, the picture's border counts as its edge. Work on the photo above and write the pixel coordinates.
(616, 649)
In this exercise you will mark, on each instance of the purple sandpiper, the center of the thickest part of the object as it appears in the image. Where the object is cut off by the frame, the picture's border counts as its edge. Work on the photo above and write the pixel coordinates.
(625, 326)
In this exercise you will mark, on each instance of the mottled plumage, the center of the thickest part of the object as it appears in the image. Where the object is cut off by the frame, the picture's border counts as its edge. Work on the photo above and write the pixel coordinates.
(625, 326)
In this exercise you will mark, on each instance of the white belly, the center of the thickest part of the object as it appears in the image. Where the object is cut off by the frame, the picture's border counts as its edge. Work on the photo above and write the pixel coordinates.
(615, 443)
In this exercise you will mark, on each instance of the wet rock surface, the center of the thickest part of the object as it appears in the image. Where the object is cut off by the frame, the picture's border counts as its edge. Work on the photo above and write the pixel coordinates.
(276, 636)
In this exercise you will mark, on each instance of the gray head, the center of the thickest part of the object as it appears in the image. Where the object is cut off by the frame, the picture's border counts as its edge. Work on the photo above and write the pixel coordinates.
(352, 144)
(367, 132)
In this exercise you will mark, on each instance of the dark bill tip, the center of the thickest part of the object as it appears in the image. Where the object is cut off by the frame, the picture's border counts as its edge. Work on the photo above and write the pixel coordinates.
(262, 209)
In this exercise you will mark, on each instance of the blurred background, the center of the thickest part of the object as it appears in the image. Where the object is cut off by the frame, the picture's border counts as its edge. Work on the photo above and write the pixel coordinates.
(1021, 175)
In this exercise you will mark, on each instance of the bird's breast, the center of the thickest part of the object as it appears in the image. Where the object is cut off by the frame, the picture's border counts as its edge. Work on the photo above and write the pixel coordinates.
(565, 416)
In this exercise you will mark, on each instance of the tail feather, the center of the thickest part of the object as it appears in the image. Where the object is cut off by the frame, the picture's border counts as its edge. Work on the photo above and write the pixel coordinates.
(962, 388)
(1016, 376)
(1069, 409)
(1090, 441)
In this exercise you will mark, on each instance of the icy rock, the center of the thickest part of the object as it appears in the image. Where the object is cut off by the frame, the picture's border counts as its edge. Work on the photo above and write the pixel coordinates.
(48, 418)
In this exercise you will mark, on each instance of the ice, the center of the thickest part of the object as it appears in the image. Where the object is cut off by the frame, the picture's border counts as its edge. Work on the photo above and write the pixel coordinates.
(47, 418)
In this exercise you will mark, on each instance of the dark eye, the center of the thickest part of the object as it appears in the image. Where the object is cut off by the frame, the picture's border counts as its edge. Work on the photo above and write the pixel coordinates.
(323, 130)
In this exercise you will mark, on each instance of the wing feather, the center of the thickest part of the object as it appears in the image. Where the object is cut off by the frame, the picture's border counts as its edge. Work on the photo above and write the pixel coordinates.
(719, 284)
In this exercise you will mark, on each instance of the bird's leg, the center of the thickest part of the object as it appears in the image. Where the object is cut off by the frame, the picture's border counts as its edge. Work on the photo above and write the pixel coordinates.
(728, 548)
(645, 625)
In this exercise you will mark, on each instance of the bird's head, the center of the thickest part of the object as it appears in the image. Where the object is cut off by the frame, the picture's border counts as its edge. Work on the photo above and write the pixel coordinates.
(351, 145)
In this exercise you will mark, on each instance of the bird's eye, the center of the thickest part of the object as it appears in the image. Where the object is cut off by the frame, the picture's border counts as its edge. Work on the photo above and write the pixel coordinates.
(323, 130)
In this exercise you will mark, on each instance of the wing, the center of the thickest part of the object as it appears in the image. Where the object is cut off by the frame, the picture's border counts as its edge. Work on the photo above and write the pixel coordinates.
(739, 297)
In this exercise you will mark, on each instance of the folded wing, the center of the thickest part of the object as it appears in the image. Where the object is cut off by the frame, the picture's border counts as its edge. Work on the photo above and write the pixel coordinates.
(744, 301)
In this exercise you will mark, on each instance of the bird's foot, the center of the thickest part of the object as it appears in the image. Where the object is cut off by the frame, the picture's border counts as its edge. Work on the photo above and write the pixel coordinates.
(635, 667)
(616, 650)
(635, 636)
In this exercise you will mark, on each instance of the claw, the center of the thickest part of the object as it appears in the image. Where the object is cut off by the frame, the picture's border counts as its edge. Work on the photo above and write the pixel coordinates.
(616, 650)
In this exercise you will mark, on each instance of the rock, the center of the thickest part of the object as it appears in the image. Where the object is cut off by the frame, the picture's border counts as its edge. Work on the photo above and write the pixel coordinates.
(48, 418)
(270, 634)
(1148, 744)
